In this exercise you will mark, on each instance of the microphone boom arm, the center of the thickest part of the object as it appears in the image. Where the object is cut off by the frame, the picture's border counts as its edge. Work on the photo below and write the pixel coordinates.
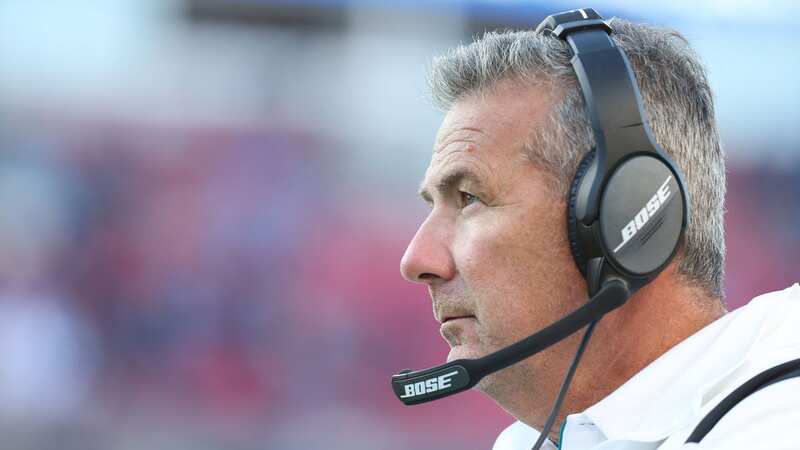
(414, 387)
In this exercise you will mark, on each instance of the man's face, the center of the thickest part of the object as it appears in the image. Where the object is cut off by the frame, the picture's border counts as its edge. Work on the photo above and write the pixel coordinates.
(493, 249)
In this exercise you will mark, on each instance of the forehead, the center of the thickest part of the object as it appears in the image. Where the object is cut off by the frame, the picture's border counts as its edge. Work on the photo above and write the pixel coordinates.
(491, 127)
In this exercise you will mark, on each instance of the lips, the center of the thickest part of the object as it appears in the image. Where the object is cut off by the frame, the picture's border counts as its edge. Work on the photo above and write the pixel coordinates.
(446, 319)
(445, 313)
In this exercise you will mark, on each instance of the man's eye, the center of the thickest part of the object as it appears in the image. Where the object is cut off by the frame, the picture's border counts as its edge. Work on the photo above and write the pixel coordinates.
(467, 199)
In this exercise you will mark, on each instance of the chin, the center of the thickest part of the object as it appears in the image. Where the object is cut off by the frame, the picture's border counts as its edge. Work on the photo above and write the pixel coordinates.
(464, 352)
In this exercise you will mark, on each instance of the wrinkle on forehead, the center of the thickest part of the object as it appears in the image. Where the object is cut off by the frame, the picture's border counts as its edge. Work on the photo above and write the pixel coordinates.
(462, 130)
(493, 123)
(459, 141)
(459, 154)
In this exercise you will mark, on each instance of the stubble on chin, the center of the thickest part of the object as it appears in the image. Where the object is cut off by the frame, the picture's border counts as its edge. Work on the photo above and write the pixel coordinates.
(451, 335)
(459, 347)
(466, 339)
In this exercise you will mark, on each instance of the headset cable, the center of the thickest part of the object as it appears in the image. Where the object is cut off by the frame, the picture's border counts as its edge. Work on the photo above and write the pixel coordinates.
(564, 387)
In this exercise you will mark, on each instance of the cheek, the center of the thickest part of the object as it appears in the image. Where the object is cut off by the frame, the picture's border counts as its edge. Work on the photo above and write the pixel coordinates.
(509, 246)
(514, 264)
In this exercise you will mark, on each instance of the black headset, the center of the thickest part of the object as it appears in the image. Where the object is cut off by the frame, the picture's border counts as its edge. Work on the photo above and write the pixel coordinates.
(627, 213)
(628, 204)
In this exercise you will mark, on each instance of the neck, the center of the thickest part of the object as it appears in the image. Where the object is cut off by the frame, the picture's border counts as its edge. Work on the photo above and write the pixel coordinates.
(654, 320)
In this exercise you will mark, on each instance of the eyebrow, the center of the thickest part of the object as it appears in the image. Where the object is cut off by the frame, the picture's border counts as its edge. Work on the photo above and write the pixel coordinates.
(448, 182)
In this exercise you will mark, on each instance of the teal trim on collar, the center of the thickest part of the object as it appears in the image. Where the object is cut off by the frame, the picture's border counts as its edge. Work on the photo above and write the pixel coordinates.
(561, 434)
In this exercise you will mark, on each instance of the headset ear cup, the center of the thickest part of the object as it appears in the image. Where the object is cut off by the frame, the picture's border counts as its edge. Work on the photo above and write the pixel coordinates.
(572, 219)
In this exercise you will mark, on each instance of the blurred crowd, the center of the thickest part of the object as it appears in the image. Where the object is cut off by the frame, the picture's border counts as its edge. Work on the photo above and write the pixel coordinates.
(214, 288)
(206, 280)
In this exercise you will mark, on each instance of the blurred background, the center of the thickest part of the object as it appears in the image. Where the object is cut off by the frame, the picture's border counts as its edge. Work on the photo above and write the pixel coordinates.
(204, 204)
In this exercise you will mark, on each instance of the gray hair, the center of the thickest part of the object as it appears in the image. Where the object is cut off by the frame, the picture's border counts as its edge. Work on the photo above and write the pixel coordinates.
(678, 103)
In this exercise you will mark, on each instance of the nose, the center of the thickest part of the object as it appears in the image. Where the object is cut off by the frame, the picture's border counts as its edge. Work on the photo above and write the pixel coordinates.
(428, 258)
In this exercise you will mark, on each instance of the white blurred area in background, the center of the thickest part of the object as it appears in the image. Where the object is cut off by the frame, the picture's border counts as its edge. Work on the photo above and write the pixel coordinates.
(360, 82)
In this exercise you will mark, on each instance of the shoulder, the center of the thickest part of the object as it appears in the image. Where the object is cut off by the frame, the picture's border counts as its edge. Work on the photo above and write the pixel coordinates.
(766, 419)
(764, 333)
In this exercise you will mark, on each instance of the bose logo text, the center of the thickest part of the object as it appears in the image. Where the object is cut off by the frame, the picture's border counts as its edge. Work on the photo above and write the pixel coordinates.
(428, 386)
(643, 216)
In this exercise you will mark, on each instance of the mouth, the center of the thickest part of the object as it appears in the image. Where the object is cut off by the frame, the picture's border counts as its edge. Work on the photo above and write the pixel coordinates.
(446, 319)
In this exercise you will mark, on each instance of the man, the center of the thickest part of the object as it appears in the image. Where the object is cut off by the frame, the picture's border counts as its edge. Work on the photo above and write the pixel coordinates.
(495, 255)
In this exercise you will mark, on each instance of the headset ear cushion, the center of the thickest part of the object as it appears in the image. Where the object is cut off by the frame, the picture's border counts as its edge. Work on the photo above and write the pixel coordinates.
(572, 219)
